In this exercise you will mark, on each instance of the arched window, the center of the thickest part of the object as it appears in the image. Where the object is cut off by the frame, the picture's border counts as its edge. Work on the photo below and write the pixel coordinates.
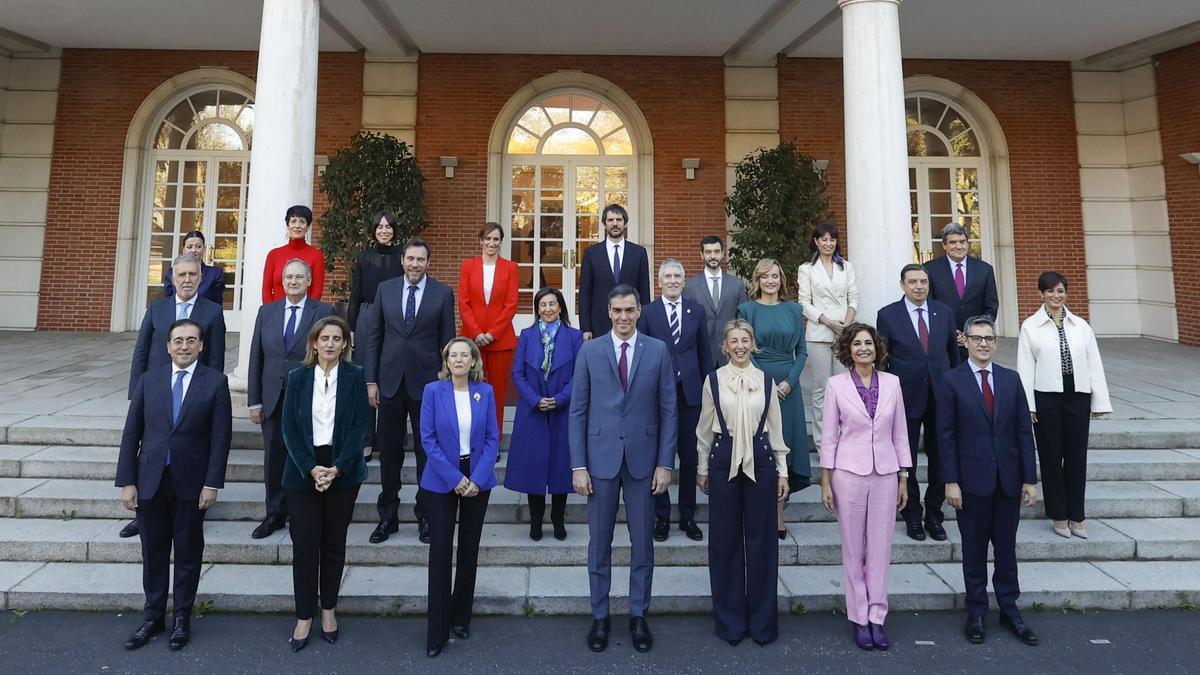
(200, 157)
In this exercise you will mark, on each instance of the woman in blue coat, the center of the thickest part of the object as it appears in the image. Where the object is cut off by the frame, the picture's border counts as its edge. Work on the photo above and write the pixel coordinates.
(539, 459)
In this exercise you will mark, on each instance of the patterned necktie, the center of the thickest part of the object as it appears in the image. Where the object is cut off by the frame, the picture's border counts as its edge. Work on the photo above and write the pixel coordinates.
(289, 331)
(623, 367)
(185, 311)
(960, 280)
(922, 329)
(410, 309)
(617, 263)
(674, 321)
(989, 399)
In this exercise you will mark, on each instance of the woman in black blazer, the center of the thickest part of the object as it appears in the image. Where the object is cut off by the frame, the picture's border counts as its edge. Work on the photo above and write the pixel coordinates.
(325, 413)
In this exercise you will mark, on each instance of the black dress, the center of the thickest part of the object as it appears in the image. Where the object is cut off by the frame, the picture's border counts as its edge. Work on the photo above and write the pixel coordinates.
(374, 266)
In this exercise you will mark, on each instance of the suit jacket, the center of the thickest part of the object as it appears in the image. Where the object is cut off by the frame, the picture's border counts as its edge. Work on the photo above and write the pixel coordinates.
(198, 444)
(691, 359)
(396, 356)
(609, 426)
(819, 293)
(150, 351)
(270, 359)
(854, 441)
(980, 296)
(917, 370)
(212, 284)
(733, 293)
(439, 436)
(478, 315)
(352, 415)
(596, 280)
(975, 448)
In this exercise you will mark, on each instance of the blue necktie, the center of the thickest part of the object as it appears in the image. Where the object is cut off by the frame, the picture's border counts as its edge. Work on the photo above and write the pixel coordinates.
(410, 309)
(617, 264)
(176, 404)
(184, 311)
(289, 332)
(674, 323)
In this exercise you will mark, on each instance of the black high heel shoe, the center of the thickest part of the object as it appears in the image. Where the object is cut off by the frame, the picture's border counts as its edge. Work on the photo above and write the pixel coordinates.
(297, 645)
(782, 534)
(331, 637)
(560, 531)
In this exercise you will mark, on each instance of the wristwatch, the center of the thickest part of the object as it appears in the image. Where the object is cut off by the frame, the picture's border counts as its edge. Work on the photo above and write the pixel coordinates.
(903, 474)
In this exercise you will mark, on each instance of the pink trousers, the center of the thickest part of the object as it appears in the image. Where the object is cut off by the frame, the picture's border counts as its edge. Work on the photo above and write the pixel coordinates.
(866, 514)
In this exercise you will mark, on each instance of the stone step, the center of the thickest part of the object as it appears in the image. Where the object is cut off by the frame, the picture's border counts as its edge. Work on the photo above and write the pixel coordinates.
(96, 540)
(564, 590)
(54, 497)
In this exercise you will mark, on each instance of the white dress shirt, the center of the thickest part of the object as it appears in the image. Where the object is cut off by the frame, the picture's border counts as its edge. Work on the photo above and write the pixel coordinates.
(489, 280)
(912, 314)
(324, 405)
(954, 267)
(979, 379)
(1039, 361)
(821, 294)
(462, 406)
(612, 252)
(617, 342)
(179, 302)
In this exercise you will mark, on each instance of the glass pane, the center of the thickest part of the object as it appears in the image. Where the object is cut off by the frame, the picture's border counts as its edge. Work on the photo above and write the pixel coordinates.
(225, 248)
(587, 201)
(916, 228)
(205, 104)
(916, 252)
(551, 228)
(965, 145)
(974, 230)
(558, 108)
(191, 220)
(925, 144)
(551, 276)
(162, 221)
(618, 143)
(618, 197)
(246, 120)
(522, 251)
(164, 195)
(227, 297)
(155, 274)
(582, 108)
(587, 177)
(166, 172)
(931, 112)
(195, 172)
(967, 202)
(966, 179)
(605, 121)
(181, 117)
(939, 222)
(227, 222)
(616, 177)
(525, 277)
(552, 177)
(570, 141)
(229, 173)
(522, 143)
(552, 202)
(912, 178)
(215, 136)
(953, 124)
(168, 138)
(939, 179)
(193, 197)
(975, 249)
(522, 226)
(937, 250)
(229, 197)
(535, 121)
(939, 203)
(910, 111)
(587, 229)
(522, 201)
(522, 176)
(912, 202)
(231, 104)
(552, 251)
(162, 246)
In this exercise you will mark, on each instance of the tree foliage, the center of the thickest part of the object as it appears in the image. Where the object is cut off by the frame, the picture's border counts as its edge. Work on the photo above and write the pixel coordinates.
(778, 195)
(375, 172)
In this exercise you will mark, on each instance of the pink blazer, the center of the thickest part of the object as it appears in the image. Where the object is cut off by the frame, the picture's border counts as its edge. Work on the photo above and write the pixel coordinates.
(852, 440)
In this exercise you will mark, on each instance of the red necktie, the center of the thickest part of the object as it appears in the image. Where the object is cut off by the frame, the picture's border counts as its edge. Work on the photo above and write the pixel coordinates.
(989, 401)
(960, 281)
(922, 329)
(623, 367)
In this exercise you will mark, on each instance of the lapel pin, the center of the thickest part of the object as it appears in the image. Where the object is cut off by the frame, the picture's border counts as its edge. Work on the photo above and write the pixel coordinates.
(476, 396)
(688, 311)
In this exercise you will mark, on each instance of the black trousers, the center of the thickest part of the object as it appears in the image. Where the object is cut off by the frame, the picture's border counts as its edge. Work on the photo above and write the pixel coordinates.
(1062, 437)
(689, 417)
(274, 457)
(743, 554)
(166, 521)
(448, 607)
(935, 490)
(394, 411)
(990, 519)
(318, 524)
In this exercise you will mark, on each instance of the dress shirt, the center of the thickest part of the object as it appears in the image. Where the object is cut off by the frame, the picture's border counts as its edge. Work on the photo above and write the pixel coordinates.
(742, 408)
(1039, 358)
(979, 379)
(677, 306)
(324, 405)
(462, 407)
(612, 252)
(708, 283)
(420, 294)
(287, 311)
(187, 380)
(489, 280)
(190, 301)
(912, 316)
(954, 268)
(632, 342)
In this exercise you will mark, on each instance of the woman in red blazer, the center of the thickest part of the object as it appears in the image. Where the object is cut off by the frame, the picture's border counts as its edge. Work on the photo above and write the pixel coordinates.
(487, 299)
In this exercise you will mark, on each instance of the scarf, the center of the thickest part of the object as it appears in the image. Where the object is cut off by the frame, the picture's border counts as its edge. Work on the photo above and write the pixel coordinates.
(548, 332)
(746, 384)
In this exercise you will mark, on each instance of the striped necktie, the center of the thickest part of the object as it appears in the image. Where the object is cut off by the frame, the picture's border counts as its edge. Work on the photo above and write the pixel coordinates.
(674, 322)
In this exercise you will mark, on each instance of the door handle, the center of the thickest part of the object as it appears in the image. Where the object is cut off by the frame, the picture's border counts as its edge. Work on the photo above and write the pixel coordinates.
(569, 259)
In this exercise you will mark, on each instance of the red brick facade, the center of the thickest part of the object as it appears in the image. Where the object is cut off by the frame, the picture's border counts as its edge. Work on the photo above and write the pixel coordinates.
(1178, 75)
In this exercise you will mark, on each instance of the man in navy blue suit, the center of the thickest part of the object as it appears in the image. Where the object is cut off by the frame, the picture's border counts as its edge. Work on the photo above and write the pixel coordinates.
(683, 326)
(922, 346)
(606, 264)
(988, 463)
(172, 462)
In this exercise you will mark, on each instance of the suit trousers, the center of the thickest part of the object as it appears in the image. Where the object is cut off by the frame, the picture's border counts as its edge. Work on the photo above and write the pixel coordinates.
(166, 521)
(497, 369)
(358, 356)
(318, 524)
(602, 521)
(689, 417)
(935, 491)
(1062, 438)
(822, 364)
(274, 457)
(447, 607)
(866, 515)
(990, 519)
(743, 555)
(394, 411)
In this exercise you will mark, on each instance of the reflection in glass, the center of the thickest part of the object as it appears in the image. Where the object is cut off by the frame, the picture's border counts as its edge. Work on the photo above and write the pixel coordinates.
(228, 197)
(524, 277)
(225, 248)
(522, 226)
(162, 221)
(939, 203)
(195, 172)
(522, 201)
(535, 121)
(215, 136)
(570, 141)
(618, 143)
(522, 142)
(966, 179)
(552, 276)
(964, 145)
(605, 121)
(229, 173)
(227, 222)
(165, 195)
(552, 202)
(583, 108)
(939, 179)
(552, 177)
(587, 228)
(587, 177)
(522, 251)
(968, 202)
(551, 227)
(616, 177)
(925, 144)
(522, 175)
(552, 251)
(587, 201)
(193, 197)
(617, 197)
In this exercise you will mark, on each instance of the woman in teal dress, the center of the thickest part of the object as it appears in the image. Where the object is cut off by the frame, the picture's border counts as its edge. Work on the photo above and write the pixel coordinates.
(779, 332)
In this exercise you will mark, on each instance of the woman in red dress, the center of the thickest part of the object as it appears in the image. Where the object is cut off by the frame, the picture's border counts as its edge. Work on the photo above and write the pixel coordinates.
(487, 300)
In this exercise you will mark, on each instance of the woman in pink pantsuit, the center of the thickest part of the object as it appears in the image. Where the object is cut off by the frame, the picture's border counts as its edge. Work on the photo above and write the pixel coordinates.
(865, 460)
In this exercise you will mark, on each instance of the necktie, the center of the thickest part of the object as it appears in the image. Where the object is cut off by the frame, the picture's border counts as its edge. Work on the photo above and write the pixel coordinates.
(674, 321)
(185, 310)
(922, 329)
(289, 331)
(623, 367)
(617, 263)
(177, 396)
(960, 280)
(989, 400)
(410, 309)
(716, 290)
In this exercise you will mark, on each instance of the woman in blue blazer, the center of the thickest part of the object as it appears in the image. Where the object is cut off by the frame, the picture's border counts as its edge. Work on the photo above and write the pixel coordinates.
(462, 441)
(325, 414)
(539, 457)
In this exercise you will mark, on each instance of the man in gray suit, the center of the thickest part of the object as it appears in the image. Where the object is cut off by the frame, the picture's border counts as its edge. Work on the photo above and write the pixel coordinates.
(622, 436)
(280, 338)
(718, 291)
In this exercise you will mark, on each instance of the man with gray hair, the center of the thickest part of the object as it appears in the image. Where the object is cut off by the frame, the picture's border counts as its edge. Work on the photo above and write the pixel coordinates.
(682, 325)
(965, 284)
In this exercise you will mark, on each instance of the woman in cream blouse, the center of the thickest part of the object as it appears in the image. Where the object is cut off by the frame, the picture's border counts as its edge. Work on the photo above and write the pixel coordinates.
(826, 289)
(742, 429)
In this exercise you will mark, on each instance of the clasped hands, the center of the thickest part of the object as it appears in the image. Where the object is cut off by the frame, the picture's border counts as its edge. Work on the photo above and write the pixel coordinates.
(323, 476)
(466, 488)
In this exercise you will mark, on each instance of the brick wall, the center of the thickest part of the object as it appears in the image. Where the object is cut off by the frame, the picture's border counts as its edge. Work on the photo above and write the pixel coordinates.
(1178, 75)
(99, 92)
(1032, 101)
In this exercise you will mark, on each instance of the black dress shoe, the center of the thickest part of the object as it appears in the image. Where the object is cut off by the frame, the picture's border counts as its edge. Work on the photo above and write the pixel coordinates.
(266, 528)
(734, 643)
(560, 531)
(383, 530)
(915, 532)
(434, 652)
(143, 634)
(423, 531)
(181, 635)
(297, 645)
(974, 630)
(1017, 626)
(662, 529)
(692, 530)
(598, 637)
(130, 530)
(936, 531)
(462, 632)
(642, 639)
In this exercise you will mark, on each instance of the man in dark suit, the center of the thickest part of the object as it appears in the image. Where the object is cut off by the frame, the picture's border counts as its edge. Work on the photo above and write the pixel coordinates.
(964, 284)
(409, 323)
(681, 325)
(606, 264)
(172, 462)
(280, 335)
(622, 429)
(150, 351)
(988, 463)
(719, 292)
(921, 348)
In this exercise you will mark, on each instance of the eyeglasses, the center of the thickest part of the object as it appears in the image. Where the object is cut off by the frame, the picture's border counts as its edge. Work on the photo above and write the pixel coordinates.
(986, 339)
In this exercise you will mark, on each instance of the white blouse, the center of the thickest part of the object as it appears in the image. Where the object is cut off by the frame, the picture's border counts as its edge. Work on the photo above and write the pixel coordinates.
(489, 280)
(462, 406)
(324, 405)
(742, 407)
(819, 293)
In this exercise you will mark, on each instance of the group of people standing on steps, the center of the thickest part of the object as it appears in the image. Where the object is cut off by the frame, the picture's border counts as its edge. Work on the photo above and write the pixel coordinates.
(708, 372)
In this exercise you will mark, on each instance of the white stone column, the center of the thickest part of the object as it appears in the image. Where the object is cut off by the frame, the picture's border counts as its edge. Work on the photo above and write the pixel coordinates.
(877, 206)
(281, 160)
